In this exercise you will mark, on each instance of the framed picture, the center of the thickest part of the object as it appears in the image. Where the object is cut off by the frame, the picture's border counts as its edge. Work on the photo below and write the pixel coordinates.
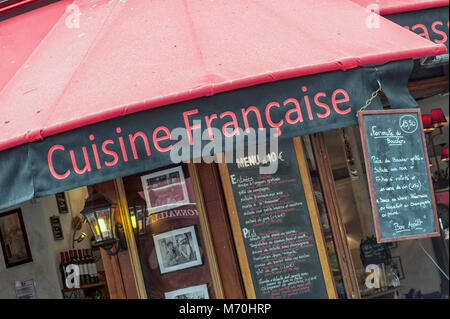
(193, 292)
(396, 264)
(177, 249)
(13, 238)
(26, 289)
(56, 228)
(61, 201)
(165, 189)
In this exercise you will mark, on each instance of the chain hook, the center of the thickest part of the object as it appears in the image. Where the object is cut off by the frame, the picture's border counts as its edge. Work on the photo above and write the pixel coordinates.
(373, 96)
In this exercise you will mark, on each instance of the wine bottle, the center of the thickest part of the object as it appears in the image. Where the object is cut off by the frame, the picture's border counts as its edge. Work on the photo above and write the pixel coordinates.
(88, 266)
(62, 268)
(93, 264)
(83, 269)
(74, 261)
(67, 258)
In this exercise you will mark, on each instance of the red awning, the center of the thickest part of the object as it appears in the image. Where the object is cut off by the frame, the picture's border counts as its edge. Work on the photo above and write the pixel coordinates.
(397, 6)
(131, 55)
(20, 36)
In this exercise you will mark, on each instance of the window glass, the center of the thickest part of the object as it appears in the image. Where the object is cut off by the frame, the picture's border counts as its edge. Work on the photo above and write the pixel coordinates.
(168, 234)
(326, 227)
(406, 268)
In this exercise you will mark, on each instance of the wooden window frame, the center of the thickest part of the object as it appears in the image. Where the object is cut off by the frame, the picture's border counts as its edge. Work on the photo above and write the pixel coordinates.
(334, 215)
(126, 278)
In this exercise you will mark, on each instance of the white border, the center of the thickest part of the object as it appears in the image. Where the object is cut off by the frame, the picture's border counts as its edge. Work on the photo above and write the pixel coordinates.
(172, 294)
(157, 209)
(196, 262)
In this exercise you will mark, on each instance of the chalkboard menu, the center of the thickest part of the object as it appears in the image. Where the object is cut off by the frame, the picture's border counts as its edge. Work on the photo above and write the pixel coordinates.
(398, 174)
(276, 228)
(372, 252)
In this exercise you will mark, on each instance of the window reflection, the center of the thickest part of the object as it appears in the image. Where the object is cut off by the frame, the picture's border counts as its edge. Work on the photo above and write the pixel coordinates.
(167, 230)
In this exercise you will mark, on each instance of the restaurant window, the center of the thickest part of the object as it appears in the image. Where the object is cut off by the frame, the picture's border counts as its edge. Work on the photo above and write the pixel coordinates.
(174, 255)
(407, 268)
(326, 225)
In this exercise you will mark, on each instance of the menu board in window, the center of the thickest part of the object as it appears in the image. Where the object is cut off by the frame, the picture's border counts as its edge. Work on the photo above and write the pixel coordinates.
(276, 228)
(398, 174)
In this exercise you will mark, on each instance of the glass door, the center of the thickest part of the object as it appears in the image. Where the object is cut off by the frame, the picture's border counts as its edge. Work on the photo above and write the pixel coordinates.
(406, 269)
(326, 197)
(171, 234)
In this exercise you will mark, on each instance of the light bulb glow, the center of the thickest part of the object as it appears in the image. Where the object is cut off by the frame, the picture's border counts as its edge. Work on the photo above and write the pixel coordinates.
(102, 224)
(133, 221)
(97, 230)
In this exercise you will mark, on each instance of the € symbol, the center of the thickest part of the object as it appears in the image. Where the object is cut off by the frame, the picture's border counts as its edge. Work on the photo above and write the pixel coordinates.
(280, 156)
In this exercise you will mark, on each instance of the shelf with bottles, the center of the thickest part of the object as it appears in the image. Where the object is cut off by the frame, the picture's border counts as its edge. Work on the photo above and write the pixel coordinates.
(81, 262)
(91, 291)
(88, 286)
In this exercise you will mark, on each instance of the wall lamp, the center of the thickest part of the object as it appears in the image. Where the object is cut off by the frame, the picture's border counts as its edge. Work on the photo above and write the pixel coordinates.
(99, 212)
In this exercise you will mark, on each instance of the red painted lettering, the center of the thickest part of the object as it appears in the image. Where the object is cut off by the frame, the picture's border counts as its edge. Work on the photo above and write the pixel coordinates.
(269, 119)
(94, 149)
(233, 122)
(308, 105)
(343, 100)
(122, 145)
(157, 139)
(258, 117)
(440, 32)
(208, 120)
(321, 104)
(50, 162)
(188, 126)
(294, 110)
(424, 34)
(133, 138)
(87, 164)
(109, 152)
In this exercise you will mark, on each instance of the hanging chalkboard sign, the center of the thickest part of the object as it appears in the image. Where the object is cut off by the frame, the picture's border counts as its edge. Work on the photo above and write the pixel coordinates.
(276, 227)
(398, 174)
(372, 252)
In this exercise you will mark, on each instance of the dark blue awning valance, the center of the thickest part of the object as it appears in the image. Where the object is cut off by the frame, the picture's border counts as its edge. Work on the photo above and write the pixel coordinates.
(431, 24)
(140, 141)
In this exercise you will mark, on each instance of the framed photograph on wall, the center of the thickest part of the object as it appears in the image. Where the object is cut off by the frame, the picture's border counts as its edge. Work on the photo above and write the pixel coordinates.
(165, 189)
(193, 292)
(13, 238)
(177, 249)
(57, 229)
(61, 201)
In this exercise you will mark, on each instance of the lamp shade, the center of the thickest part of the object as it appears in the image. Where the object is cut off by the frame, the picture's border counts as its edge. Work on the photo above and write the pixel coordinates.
(444, 155)
(98, 211)
(438, 118)
(427, 123)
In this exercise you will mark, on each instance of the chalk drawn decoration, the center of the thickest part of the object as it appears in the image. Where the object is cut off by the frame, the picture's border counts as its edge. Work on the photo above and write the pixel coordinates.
(408, 123)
